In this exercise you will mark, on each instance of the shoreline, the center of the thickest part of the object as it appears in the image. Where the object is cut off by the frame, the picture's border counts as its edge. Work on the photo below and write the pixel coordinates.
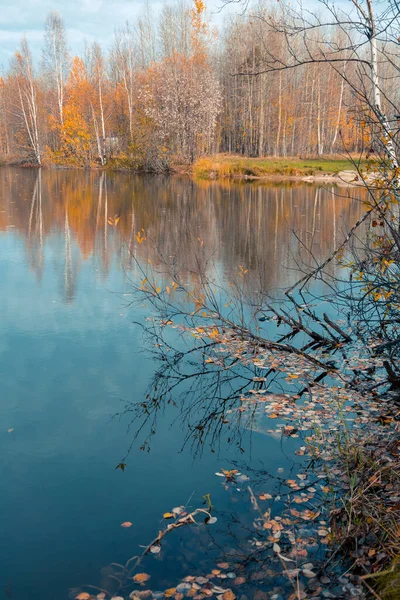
(345, 178)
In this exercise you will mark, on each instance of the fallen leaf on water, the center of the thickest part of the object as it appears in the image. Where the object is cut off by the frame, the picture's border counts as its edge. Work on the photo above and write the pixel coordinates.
(228, 595)
(141, 577)
(155, 549)
(309, 574)
(285, 558)
(299, 595)
(265, 496)
(126, 524)
(230, 474)
(83, 596)
(170, 592)
(223, 565)
(168, 515)
(211, 520)
(177, 510)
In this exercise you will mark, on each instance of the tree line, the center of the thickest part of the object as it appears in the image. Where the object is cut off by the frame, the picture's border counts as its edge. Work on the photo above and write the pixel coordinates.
(172, 88)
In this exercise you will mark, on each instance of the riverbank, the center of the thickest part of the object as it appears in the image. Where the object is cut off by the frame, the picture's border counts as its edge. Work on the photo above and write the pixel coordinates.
(227, 166)
(222, 166)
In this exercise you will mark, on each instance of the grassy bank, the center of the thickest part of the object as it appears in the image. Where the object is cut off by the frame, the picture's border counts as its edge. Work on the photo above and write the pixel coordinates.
(224, 165)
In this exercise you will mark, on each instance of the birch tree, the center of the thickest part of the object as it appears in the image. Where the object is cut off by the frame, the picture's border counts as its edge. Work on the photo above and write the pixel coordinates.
(98, 97)
(124, 66)
(309, 41)
(26, 104)
(56, 61)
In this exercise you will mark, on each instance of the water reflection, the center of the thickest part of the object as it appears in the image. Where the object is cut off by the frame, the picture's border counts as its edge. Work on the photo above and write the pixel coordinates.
(65, 366)
(270, 229)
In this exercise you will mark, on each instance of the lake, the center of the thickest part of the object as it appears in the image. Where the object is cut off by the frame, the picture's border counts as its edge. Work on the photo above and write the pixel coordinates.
(72, 356)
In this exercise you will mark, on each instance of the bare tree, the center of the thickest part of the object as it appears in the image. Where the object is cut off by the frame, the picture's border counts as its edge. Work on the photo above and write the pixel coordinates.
(27, 101)
(56, 60)
(98, 97)
(124, 66)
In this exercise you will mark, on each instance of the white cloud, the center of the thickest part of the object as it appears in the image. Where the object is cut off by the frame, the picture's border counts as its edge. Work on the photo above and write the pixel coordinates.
(84, 20)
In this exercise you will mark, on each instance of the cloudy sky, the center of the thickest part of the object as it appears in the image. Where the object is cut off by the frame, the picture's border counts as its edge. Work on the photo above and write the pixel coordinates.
(84, 19)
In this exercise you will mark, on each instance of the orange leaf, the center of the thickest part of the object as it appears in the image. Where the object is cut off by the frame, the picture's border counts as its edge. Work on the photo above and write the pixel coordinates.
(141, 577)
(126, 524)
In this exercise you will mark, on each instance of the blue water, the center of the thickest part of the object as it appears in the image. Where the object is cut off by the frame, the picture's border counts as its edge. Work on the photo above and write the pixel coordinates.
(71, 357)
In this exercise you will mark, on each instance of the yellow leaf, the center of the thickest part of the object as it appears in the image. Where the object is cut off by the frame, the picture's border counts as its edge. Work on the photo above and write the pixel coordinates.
(170, 592)
(214, 333)
(168, 515)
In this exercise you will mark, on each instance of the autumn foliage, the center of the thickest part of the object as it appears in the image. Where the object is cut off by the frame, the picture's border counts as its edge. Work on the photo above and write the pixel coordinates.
(170, 91)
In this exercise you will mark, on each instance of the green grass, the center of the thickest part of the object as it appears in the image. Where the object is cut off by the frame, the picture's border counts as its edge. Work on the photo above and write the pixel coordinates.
(223, 165)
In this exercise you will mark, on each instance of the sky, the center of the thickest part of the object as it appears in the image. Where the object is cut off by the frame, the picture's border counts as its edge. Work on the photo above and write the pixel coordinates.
(84, 20)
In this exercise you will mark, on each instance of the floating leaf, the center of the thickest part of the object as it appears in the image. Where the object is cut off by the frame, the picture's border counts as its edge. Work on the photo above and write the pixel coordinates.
(177, 510)
(309, 574)
(141, 577)
(126, 524)
(155, 549)
(170, 592)
(83, 596)
(228, 595)
(168, 515)
(211, 520)
(285, 558)
(121, 466)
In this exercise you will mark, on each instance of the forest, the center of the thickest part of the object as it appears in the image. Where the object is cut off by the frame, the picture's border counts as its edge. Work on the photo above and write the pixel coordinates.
(172, 87)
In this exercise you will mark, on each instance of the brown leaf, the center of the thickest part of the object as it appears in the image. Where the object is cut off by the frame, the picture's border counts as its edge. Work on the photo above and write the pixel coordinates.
(126, 524)
(83, 596)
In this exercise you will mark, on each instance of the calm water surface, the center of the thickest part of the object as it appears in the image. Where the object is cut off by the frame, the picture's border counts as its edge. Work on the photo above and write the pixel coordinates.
(70, 357)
